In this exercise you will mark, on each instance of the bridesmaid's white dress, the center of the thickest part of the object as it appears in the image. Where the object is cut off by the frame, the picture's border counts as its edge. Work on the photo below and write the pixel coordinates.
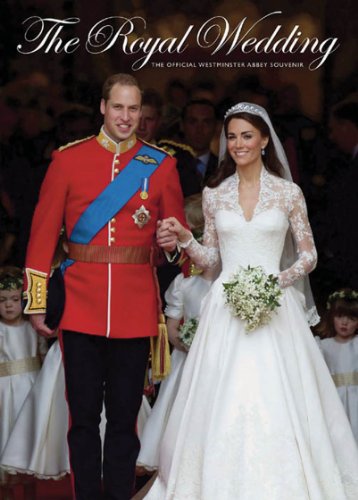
(20, 344)
(342, 362)
(257, 415)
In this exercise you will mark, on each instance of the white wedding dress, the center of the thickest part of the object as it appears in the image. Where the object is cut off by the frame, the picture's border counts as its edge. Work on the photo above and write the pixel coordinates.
(257, 416)
(183, 298)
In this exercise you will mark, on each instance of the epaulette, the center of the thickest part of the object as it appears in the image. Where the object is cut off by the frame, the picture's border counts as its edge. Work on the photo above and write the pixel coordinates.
(74, 143)
(177, 145)
(169, 150)
(155, 146)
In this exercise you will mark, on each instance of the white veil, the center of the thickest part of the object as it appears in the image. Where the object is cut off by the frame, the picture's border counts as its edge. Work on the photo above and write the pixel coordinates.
(289, 254)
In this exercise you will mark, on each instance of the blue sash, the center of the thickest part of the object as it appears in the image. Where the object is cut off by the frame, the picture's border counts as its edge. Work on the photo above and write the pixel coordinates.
(113, 198)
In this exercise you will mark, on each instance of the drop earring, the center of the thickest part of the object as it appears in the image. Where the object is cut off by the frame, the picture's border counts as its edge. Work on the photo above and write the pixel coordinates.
(263, 152)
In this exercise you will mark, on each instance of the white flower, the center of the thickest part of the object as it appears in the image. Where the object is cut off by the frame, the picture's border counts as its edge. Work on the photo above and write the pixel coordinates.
(187, 331)
(252, 295)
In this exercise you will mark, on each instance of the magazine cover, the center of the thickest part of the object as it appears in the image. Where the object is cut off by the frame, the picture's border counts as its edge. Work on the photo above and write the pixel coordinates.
(193, 61)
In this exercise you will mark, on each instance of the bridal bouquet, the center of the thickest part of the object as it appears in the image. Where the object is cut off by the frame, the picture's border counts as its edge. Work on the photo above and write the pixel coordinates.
(187, 331)
(253, 295)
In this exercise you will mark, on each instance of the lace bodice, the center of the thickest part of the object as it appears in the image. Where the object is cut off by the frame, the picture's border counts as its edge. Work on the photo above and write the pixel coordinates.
(259, 241)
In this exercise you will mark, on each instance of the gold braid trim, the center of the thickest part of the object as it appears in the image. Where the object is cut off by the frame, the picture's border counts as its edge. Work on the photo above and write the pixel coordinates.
(17, 366)
(168, 142)
(350, 378)
(35, 292)
(169, 150)
(155, 146)
(74, 143)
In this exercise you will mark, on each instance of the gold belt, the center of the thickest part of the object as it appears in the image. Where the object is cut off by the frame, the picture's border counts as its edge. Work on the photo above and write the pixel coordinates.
(17, 366)
(114, 255)
(350, 378)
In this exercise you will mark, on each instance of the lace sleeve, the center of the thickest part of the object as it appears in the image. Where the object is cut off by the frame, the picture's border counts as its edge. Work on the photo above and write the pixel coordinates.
(207, 254)
(301, 230)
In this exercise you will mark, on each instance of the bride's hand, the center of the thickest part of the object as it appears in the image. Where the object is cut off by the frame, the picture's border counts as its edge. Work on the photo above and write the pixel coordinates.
(166, 239)
(171, 226)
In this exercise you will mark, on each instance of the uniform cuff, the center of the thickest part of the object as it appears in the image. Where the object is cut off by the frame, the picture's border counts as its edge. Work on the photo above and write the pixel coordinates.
(173, 256)
(35, 293)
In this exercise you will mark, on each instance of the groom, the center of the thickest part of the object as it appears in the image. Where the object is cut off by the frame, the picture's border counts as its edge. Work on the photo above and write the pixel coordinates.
(111, 191)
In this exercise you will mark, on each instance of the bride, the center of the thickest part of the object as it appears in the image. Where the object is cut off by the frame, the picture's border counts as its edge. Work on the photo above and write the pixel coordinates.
(257, 416)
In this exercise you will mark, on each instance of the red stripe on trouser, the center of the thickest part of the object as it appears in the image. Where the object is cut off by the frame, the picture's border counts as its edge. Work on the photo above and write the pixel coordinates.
(60, 339)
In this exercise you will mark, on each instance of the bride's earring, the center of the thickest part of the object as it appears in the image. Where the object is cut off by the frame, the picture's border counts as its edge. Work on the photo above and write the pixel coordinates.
(263, 152)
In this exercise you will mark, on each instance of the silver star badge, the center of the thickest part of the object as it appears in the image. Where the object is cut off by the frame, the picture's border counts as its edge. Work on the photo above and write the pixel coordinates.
(141, 217)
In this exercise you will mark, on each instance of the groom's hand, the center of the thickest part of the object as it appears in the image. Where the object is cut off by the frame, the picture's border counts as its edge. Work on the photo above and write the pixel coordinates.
(166, 238)
(38, 324)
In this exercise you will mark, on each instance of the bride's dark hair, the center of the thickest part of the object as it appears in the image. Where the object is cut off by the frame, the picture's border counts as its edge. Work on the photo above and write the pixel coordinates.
(227, 166)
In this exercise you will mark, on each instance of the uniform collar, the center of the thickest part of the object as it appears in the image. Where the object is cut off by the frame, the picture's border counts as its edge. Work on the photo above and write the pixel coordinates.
(115, 147)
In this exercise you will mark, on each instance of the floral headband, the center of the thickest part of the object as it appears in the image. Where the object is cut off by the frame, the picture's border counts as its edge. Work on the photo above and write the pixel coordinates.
(11, 283)
(345, 295)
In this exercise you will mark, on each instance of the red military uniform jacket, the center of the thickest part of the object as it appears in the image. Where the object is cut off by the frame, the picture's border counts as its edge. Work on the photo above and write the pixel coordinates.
(108, 299)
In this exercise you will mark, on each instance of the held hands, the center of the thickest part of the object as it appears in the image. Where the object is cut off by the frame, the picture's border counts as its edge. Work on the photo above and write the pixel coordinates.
(38, 324)
(170, 232)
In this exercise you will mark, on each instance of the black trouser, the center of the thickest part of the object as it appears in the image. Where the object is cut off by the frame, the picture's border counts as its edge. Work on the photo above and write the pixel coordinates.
(113, 370)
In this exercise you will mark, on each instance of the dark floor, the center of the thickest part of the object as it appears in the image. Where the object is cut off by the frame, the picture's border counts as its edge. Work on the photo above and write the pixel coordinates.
(57, 490)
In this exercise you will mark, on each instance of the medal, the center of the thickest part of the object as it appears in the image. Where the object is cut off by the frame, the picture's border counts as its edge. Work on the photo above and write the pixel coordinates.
(144, 188)
(141, 217)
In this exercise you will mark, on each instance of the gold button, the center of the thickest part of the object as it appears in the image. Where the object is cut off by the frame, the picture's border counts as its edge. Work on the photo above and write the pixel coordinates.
(113, 220)
(112, 239)
(39, 285)
(113, 229)
(116, 170)
(38, 301)
(38, 295)
(116, 162)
